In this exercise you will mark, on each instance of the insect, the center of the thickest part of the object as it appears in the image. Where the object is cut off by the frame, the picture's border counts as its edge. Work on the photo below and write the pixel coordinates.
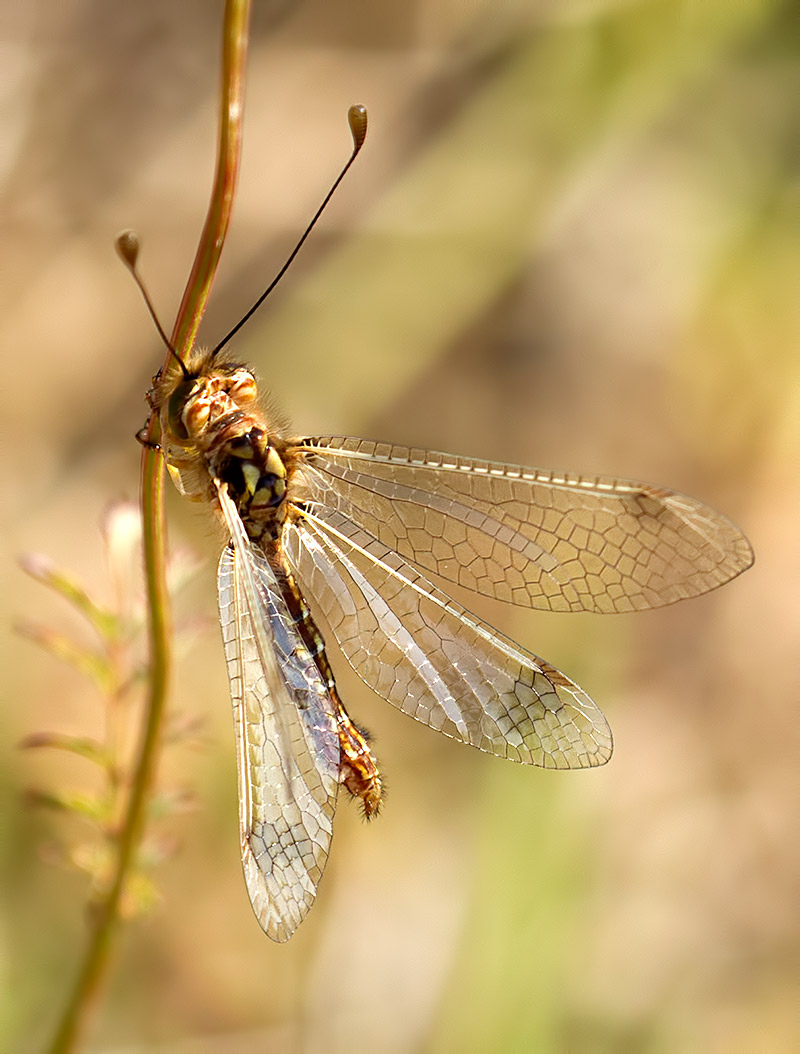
(355, 527)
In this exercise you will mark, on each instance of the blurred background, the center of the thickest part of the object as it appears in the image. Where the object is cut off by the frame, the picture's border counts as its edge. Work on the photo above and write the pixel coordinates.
(570, 241)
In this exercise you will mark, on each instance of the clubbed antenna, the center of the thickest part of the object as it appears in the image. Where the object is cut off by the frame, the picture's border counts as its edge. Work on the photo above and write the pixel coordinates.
(127, 245)
(357, 119)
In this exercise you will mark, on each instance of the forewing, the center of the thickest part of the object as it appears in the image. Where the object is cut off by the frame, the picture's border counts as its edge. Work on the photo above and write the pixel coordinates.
(528, 536)
(287, 743)
(436, 661)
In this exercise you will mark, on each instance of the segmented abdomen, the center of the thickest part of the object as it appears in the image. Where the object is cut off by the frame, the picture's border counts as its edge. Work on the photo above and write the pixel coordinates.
(359, 772)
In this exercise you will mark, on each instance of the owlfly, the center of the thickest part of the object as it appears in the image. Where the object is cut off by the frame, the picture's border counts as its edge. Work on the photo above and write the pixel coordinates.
(355, 527)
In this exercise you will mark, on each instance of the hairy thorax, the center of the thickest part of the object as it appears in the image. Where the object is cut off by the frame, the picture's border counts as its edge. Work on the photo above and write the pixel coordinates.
(212, 429)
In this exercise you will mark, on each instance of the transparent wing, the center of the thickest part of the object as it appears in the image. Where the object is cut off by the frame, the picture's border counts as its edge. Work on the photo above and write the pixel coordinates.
(287, 743)
(528, 536)
(434, 660)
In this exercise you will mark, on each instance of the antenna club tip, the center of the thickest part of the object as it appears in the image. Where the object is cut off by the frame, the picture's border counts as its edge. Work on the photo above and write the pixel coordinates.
(127, 245)
(357, 119)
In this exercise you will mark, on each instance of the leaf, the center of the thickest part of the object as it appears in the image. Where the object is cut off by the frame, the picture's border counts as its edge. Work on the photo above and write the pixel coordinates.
(87, 663)
(80, 804)
(82, 746)
(41, 568)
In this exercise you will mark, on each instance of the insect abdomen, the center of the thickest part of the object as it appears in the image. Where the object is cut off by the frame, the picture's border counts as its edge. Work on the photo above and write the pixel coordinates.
(359, 772)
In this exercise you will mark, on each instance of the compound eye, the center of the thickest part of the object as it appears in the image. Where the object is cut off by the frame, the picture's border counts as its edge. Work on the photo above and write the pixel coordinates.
(242, 387)
(177, 406)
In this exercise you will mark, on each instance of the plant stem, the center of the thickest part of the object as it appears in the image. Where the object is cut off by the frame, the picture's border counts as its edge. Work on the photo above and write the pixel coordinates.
(106, 911)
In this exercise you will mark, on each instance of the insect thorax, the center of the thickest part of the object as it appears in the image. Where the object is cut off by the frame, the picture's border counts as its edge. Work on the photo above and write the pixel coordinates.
(209, 434)
(244, 458)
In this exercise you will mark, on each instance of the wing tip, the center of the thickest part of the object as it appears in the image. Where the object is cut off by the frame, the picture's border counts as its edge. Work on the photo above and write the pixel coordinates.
(279, 916)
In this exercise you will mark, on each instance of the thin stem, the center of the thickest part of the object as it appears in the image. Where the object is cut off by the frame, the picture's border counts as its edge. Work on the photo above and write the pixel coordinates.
(198, 288)
(229, 148)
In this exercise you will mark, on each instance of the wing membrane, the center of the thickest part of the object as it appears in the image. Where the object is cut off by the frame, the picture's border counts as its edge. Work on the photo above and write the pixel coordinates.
(434, 660)
(286, 738)
(528, 536)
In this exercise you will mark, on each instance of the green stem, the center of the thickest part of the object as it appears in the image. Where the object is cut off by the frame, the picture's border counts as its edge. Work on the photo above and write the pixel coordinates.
(106, 911)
